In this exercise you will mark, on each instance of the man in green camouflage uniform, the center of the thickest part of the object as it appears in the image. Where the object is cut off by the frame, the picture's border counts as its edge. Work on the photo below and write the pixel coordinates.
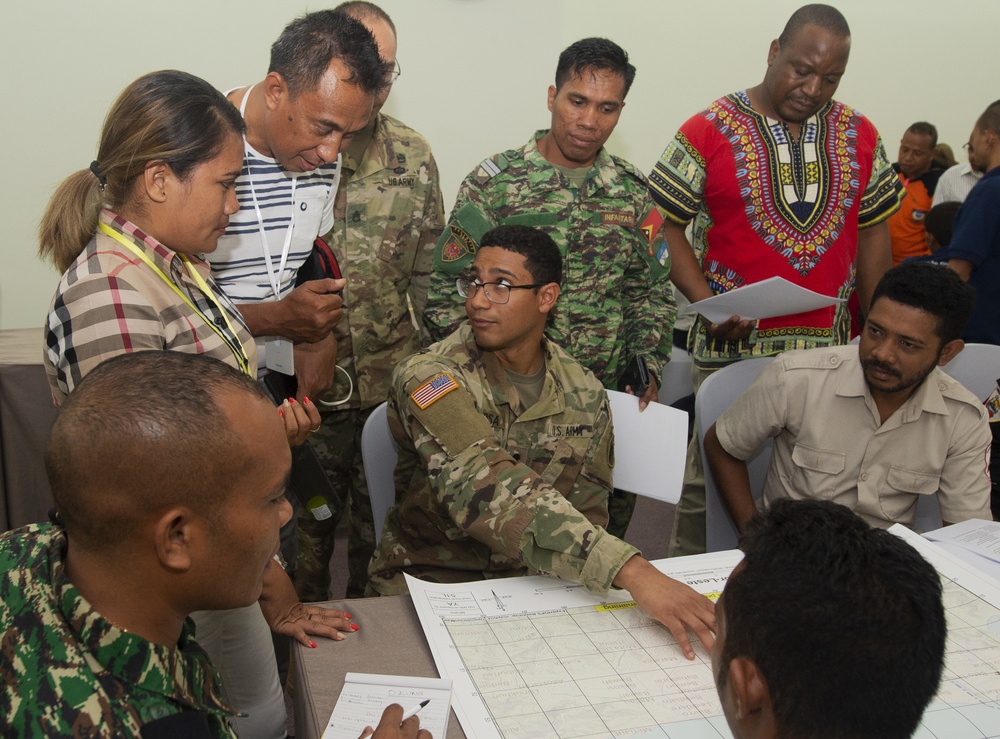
(387, 216)
(53, 640)
(506, 449)
(618, 303)
(95, 635)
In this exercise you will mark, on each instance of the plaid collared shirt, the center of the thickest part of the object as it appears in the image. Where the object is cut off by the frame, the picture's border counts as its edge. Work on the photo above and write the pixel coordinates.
(109, 302)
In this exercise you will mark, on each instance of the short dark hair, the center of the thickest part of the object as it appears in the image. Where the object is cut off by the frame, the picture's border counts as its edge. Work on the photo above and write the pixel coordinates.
(594, 54)
(846, 622)
(540, 252)
(826, 17)
(304, 50)
(140, 433)
(934, 288)
(923, 128)
(940, 220)
(990, 119)
(362, 10)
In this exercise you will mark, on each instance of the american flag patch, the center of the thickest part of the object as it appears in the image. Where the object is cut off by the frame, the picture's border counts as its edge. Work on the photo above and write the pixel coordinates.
(433, 390)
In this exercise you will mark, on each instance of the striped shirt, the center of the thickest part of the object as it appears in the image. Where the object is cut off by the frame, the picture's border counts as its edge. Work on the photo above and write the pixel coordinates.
(109, 303)
(238, 264)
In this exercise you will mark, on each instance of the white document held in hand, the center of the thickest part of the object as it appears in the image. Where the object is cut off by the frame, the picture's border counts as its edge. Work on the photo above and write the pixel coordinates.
(365, 696)
(768, 298)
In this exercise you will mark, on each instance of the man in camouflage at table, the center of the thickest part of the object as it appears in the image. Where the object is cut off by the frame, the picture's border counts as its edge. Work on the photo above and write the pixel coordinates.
(93, 608)
(506, 450)
(387, 216)
(618, 303)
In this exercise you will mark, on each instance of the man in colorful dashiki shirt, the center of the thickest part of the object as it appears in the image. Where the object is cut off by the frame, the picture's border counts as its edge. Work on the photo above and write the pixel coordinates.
(780, 180)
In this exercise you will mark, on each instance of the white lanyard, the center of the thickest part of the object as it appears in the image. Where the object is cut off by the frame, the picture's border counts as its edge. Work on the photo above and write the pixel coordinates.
(273, 277)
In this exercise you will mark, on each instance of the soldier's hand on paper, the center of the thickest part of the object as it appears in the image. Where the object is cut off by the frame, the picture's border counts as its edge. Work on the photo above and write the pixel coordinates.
(652, 394)
(389, 726)
(733, 329)
(675, 605)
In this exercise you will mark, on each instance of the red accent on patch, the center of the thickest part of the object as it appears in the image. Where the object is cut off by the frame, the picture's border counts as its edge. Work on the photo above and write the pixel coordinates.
(651, 226)
(433, 390)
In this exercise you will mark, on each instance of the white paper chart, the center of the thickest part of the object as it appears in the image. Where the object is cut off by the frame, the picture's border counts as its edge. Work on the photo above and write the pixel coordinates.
(541, 658)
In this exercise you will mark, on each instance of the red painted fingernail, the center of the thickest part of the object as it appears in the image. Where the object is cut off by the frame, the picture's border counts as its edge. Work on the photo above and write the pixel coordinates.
(281, 413)
(291, 400)
(354, 627)
(305, 399)
(312, 644)
(347, 616)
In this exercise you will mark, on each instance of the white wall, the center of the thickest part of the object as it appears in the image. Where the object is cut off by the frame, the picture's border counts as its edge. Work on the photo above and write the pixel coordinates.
(475, 74)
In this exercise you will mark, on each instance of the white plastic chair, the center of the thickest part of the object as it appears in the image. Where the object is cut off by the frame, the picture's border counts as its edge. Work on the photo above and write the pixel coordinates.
(379, 455)
(716, 394)
(977, 367)
(675, 382)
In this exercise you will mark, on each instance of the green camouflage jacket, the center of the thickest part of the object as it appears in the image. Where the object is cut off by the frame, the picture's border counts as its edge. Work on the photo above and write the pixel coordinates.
(387, 217)
(486, 488)
(68, 672)
(616, 300)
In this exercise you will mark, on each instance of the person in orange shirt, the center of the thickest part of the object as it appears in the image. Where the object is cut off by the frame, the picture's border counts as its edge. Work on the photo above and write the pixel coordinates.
(919, 175)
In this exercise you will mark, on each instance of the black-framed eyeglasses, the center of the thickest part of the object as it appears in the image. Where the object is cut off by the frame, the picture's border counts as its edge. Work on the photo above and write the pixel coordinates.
(496, 292)
(396, 71)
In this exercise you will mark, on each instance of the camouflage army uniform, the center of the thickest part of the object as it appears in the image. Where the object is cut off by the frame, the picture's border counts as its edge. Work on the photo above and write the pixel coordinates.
(490, 489)
(387, 217)
(616, 300)
(68, 672)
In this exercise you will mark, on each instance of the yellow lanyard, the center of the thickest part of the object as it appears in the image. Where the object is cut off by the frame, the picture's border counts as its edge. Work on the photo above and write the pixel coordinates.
(232, 341)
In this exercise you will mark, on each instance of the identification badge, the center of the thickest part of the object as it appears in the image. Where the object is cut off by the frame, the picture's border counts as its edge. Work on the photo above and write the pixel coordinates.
(278, 356)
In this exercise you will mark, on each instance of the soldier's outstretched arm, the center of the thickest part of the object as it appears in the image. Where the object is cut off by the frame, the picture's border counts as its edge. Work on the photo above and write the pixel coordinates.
(674, 604)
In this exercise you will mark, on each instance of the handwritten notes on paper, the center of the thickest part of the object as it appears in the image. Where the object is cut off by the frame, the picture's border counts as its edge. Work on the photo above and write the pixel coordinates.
(365, 696)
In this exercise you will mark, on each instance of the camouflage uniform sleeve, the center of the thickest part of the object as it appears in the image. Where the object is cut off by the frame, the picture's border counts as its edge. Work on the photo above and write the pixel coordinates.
(454, 251)
(431, 226)
(649, 307)
(500, 502)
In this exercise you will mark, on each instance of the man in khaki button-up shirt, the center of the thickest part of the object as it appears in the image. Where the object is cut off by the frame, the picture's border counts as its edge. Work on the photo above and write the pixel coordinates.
(870, 427)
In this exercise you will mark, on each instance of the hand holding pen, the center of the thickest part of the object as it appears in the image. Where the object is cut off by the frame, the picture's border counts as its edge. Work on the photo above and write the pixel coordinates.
(398, 724)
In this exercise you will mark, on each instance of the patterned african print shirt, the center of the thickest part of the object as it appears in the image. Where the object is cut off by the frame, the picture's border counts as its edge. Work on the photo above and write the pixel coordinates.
(488, 488)
(66, 671)
(765, 204)
(616, 300)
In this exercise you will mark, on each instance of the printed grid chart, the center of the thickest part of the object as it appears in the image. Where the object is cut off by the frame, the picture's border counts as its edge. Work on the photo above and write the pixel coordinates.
(967, 705)
(591, 671)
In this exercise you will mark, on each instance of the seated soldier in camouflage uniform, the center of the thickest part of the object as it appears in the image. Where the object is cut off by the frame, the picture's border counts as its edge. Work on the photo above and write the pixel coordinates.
(617, 303)
(93, 607)
(506, 450)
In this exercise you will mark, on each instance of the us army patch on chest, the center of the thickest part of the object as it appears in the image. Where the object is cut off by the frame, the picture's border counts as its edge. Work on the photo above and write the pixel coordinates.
(458, 246)
(617, 218)
(433, 390)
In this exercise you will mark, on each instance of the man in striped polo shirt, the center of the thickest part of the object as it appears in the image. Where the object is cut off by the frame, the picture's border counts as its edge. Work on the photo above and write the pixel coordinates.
(324, 73)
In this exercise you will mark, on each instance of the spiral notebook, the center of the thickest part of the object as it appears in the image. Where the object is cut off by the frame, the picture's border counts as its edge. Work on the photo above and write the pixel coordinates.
(365, 696)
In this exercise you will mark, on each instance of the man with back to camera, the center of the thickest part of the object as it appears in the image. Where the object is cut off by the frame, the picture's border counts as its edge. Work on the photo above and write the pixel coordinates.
(780, 180)
(93, 607)
(957, 181)
(974, 251)
(874, 426)
(827, 628)
(617, 305)
(919, 175)
(506, 450)
(387, 217)
(323, 77)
